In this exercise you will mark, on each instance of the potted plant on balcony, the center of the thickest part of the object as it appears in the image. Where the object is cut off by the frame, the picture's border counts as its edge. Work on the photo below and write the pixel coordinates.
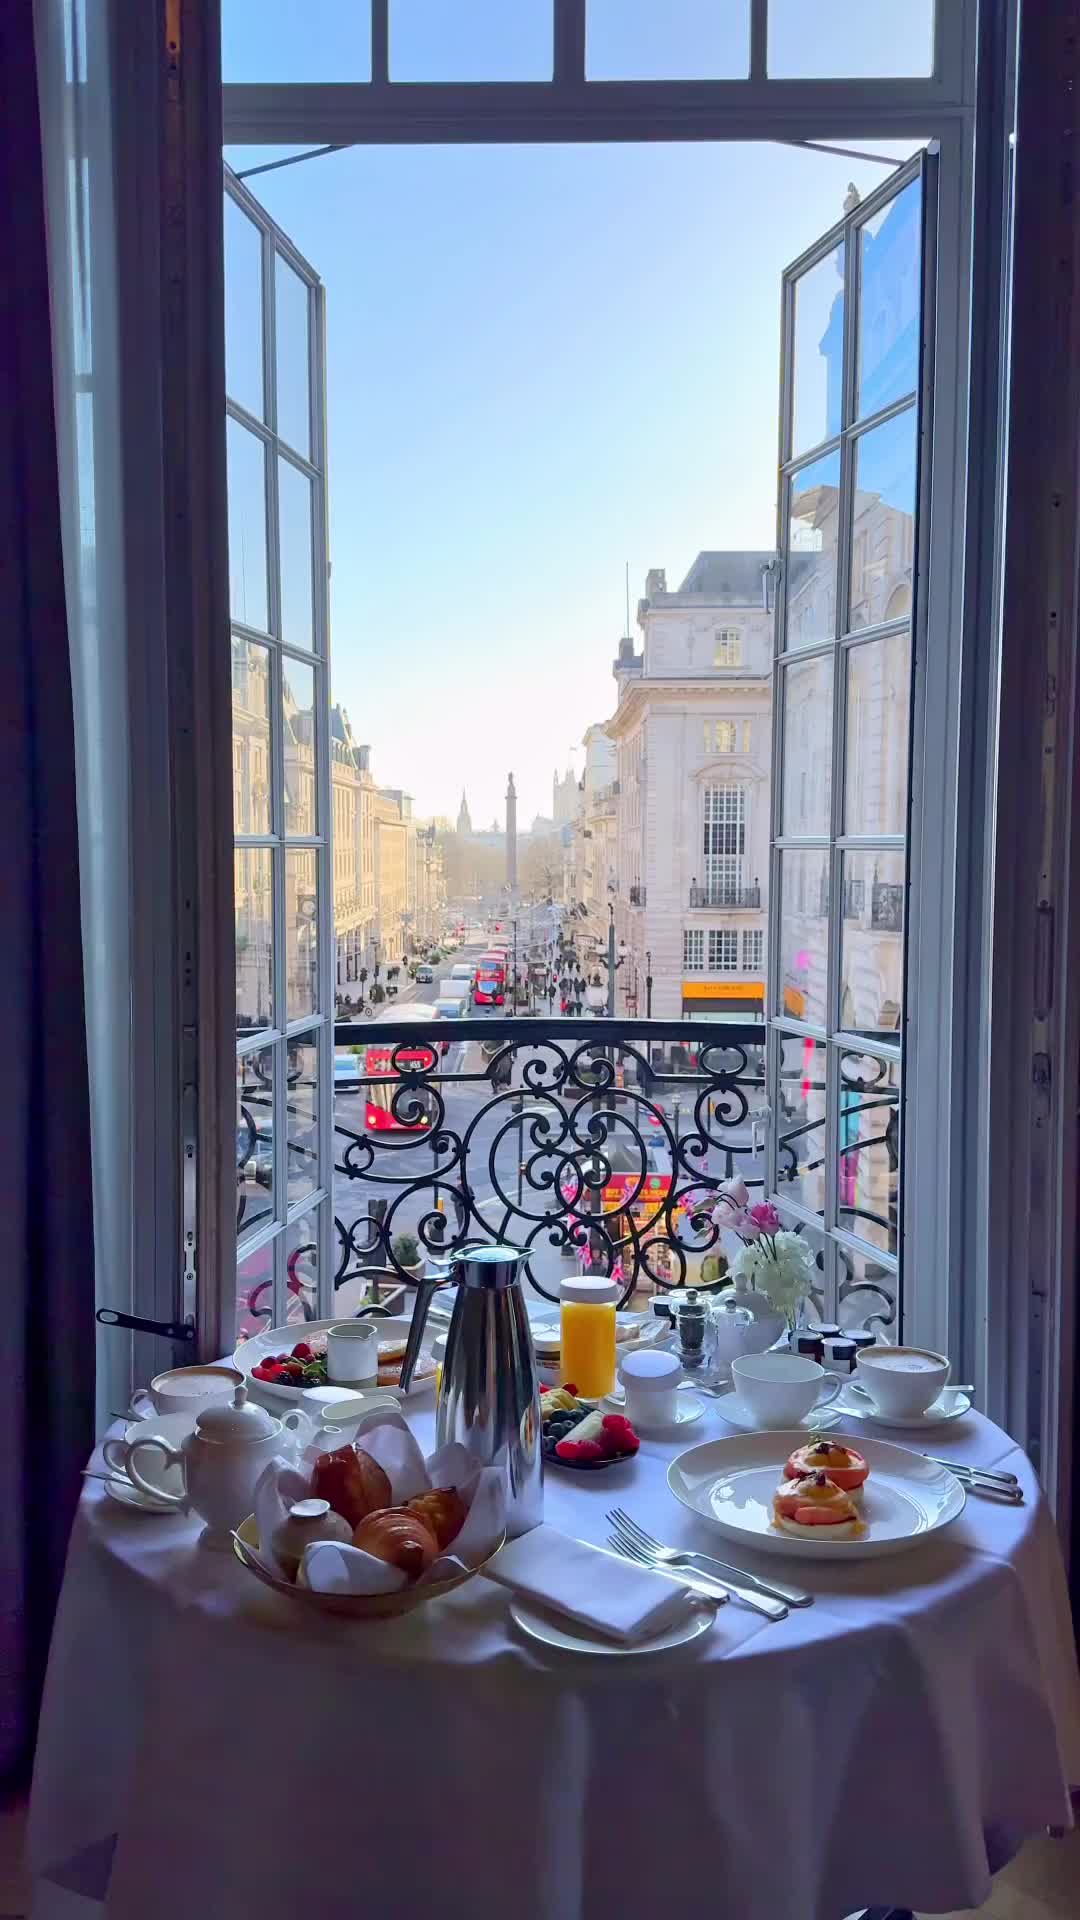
(405, 1248)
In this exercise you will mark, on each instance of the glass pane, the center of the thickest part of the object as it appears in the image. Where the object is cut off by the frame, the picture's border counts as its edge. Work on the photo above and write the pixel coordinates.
(302, 1118)
(291, 346)
(243, 310)
(470, 40)
(294, 511)
(255, 1292)
(883, 532)
(850, 40)
(807, 745)
(868, 1292)
(817, 370)
(801, 1122)
(811, 556)
(301, 934)
(251, 736)
(878, 704)
(255, 1140)
(282, 40)
(680, 40)
(247, 526)
(254, 947)
(872, 943)
(868, 1201)
(298, 727)
(890, 255)
(302, 1267)
(804, 935)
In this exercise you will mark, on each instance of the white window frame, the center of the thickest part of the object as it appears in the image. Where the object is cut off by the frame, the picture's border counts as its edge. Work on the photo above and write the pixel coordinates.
(728, 650)
(753, 949)
(723, 940)
(693, 946)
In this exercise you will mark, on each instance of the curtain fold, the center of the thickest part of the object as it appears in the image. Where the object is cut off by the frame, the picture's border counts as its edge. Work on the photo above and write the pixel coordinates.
(46, 1217)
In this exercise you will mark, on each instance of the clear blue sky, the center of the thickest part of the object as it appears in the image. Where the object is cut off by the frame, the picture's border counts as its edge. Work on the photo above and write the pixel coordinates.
(542, 363)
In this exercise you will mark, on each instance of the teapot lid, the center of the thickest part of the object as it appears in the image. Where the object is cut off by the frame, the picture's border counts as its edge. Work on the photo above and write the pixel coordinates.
(238, 1419)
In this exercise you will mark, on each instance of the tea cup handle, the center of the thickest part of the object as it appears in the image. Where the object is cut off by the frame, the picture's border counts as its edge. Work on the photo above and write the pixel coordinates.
(172, 1457)
(115, 1453)
(142, 1404)
(829, 1391)
(298, 1425)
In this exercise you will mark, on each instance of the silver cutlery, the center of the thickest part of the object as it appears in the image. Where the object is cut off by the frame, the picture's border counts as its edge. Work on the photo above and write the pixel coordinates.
(950, 1387)
(758, 1602)
(121, 1480)
(987, 1473)
(977, 1481)
(679, 1557)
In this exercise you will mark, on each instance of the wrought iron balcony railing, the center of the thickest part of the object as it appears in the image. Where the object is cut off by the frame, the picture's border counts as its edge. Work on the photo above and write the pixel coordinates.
(597, 1141)
(717, 893)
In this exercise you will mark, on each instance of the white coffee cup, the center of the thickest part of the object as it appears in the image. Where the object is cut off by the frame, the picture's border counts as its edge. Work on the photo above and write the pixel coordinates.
(780, 1389)
(170, 1427)
(901, 1381)
(650, 1380)
(186, 1390)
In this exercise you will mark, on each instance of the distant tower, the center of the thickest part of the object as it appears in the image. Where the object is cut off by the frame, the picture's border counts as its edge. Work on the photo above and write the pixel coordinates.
(511, 834)
(464, 824)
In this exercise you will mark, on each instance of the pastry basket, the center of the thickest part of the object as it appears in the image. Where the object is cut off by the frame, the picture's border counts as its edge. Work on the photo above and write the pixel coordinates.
(351, 1606)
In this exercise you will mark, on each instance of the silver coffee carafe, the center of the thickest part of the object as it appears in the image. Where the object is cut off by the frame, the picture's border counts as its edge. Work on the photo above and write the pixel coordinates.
(489, 1399)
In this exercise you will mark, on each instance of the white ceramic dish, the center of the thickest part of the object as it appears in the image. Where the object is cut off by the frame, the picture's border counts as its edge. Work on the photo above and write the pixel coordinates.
(949, 1405)
(688, 1407)
(732, 1408)
(731, 1482)
(174, 1429)
(252, 1352)
(556, 1630)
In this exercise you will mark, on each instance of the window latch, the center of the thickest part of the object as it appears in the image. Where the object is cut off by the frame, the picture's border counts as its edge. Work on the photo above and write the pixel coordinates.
(167, 1329)
(770, 574)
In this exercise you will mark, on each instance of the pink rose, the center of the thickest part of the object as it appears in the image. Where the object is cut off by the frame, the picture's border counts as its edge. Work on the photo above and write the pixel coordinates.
(765, 1217)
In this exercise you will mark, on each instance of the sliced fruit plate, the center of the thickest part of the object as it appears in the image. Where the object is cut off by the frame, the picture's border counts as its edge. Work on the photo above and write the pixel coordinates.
(287, 1363)
(581, 1438)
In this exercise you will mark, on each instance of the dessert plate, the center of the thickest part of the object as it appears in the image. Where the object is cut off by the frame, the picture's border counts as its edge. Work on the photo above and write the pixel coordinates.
(950, 1404)
(731, 1483)
(569, 1636)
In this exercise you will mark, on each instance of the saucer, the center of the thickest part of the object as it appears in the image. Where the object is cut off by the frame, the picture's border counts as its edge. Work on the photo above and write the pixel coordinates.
(688, 1407)
(951, 1404)
(128, 1495)
(732, 1408)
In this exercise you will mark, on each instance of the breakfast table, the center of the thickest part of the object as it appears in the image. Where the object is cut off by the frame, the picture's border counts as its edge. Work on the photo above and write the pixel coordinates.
(209, 1747)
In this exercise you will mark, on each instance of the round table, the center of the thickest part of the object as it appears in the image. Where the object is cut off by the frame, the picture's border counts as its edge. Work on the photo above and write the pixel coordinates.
(208, 1750)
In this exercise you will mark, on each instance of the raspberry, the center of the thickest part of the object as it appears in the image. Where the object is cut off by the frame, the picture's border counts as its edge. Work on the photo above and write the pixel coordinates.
(544, 1389)
(610, 1444)
(617, 1423)
(568, 1387)
(569, 1449)
(589, 1450)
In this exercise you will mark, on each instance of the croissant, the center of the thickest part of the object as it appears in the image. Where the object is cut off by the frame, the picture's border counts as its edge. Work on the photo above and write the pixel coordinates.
(444, 1511)
(401, 1538)
(352, 1481)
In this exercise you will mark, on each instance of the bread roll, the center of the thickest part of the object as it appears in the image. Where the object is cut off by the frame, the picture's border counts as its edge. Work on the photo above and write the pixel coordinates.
(444, 1511)
(352, 1482)
(399, 1537)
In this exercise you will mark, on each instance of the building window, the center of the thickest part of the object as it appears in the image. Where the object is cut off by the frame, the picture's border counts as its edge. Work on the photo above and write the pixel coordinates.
(723, 950)
(724, 843)
(747, 735)
(693, 950)
(728, 647)
(753, 950)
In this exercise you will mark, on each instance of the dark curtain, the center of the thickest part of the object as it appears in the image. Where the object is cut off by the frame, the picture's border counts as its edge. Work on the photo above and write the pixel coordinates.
(46, 1223)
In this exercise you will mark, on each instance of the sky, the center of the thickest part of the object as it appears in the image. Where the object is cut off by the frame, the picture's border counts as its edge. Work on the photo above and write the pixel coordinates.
(543, 364)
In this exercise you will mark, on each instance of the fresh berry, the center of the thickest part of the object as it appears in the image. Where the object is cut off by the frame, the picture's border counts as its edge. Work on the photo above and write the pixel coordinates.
(569, 1388)
(588, 1449)
(621, 1432)
(567, 1449)
(544, 1389)
(302, 1351)
(610, 1444)
(258, 1373)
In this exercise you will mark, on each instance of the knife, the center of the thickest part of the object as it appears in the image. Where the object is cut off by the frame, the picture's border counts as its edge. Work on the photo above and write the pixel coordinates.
(710, 1585)
(792, 1596)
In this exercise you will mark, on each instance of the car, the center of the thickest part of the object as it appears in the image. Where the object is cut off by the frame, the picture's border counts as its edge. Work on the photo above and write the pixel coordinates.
(452, 1009)
(425, 974)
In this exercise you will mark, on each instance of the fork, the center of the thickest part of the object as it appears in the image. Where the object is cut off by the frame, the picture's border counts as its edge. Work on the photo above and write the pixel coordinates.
(634, 1543)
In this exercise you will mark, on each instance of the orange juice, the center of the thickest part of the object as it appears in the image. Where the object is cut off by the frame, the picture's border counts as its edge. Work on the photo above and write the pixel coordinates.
(587, 1334)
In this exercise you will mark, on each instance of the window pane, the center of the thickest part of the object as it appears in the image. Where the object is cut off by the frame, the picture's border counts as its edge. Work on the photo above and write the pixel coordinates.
(254, 949)
(255, 1292)
(883, 532)
(301, 933)
(818, 354)
(302, 1118)
(294, 509)
(255, 1141)
(282, 40)
(878, 702)
(251, 736)
(243, 310)
(302, 1267)
(811, 555)
(890, 254)
(291, 346)
(299, 810)
(872, 943)
(801, 1122)
(867, 1293)
(247, 527)
(680, 40)
(868, 1201)
(470, 40)
(850, 40)
(804, 935)
(807, 745)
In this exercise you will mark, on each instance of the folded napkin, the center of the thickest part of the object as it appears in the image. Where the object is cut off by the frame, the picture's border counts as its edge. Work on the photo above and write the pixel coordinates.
(618, 1599)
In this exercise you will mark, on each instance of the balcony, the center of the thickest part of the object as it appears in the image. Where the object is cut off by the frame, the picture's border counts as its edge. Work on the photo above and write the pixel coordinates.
(718, 893)
(558, 1135)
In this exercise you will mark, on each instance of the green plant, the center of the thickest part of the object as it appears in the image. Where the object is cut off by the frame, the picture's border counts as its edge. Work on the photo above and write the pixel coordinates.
(405, 1248)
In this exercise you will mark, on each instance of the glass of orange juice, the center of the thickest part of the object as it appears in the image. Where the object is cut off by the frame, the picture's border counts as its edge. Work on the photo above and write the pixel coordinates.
(587, 1334)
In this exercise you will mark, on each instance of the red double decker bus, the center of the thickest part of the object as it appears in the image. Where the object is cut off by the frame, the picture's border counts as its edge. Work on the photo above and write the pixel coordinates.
(384, 1058)
(490, 989)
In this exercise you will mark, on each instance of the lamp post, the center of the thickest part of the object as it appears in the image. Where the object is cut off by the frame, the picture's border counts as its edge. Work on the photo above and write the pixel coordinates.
(612, 961)
(648, 985)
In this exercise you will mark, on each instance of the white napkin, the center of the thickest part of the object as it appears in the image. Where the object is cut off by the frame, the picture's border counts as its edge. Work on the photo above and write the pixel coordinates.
(601, 1590)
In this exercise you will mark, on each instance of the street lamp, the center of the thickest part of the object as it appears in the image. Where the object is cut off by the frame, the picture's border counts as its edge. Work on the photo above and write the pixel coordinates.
(612, 961)
(648, 985)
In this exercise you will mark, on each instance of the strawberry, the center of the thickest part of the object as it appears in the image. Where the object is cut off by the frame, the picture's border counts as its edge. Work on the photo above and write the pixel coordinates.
(302, 1351)
(568, 1387)
(589, 1450)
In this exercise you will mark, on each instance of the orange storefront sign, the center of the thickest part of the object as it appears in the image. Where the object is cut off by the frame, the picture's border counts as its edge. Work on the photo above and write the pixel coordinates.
(723, 990)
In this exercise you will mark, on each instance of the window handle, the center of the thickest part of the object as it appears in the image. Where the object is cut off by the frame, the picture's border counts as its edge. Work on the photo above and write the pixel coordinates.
(759, 1129)
(770, 573)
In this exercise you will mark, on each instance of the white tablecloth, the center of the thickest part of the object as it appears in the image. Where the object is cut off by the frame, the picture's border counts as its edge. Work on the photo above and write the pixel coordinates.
(207, 1751)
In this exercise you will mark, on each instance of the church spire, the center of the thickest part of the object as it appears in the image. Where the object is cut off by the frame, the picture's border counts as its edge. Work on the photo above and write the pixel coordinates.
(464, 823)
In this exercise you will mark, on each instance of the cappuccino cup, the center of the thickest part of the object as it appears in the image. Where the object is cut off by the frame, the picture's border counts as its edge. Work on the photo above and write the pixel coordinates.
(901, 1381)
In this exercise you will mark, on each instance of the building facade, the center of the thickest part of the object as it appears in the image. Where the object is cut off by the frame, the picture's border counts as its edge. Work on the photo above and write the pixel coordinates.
(592, 871)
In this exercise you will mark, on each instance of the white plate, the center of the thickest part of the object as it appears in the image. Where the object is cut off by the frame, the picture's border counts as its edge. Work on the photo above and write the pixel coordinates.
(731, 1482)
(569, 1636)
(250, 1353)
(688, 1407)
(950, 1404)
(732, 1408)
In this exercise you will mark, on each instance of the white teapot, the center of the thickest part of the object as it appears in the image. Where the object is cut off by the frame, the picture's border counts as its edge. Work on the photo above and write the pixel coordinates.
(221, 1462)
